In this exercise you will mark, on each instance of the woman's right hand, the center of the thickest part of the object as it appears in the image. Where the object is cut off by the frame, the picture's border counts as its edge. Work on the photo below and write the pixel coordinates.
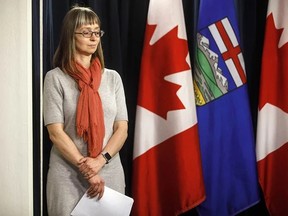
(96, 187)
(91, 166)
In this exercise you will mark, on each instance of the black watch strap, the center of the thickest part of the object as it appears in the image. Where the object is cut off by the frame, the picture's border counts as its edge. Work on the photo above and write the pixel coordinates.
(106, 156)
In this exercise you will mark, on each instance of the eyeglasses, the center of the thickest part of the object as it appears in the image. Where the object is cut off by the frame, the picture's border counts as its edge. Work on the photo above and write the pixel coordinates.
(88, 34)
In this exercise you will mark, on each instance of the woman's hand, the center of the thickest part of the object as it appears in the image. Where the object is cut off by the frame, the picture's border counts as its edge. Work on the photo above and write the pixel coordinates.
(96, 187)
(90, 167)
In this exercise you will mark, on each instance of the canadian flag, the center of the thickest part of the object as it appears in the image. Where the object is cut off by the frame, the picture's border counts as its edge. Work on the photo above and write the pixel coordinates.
(167, 173)
(272, 130)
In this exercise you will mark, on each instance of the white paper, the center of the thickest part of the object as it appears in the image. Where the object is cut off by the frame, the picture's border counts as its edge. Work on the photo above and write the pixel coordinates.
(112, 203)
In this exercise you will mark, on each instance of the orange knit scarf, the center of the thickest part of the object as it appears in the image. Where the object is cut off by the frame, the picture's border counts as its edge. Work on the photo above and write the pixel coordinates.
(90, 117)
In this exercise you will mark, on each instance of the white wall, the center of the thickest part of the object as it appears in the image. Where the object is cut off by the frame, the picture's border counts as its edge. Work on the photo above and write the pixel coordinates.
(16, 186)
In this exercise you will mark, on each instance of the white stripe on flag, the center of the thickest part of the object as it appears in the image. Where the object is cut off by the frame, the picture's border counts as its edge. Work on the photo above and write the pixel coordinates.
(272, 130)
(217, 37)
(234, 73)
(230, 31)
(241, 59)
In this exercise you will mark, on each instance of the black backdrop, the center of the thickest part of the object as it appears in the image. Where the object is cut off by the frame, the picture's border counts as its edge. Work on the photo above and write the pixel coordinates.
(124, 24)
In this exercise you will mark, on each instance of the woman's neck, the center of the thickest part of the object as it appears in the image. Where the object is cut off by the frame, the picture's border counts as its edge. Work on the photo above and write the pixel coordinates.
(83, 60)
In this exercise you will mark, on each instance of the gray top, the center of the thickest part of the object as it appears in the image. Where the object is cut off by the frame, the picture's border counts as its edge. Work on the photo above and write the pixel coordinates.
(65, 185)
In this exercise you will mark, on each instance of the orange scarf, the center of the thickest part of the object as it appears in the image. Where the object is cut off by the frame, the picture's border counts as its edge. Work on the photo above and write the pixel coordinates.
(90, 117)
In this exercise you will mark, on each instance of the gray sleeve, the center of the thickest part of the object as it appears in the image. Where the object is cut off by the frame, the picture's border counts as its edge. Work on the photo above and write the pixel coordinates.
(120, 100)
(52, 99)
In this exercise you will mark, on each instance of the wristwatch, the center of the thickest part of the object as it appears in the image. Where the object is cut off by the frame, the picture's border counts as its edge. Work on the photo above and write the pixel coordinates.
(106, 156)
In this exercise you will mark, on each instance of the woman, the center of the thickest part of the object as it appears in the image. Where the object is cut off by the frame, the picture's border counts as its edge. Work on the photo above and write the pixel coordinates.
(85, 114)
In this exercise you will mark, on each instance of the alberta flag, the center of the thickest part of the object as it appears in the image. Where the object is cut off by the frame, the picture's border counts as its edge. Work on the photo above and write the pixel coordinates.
(224, 119)
(272, 129)
(167, 174)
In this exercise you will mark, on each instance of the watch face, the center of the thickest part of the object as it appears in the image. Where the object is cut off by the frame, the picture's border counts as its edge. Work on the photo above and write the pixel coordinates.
(108, 156)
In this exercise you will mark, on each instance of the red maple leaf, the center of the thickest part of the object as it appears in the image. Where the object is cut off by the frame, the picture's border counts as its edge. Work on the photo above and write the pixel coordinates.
(166, 56)
(274, 76)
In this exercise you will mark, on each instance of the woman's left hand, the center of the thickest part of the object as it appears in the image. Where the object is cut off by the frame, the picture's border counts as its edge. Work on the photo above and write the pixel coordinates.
(96, 187)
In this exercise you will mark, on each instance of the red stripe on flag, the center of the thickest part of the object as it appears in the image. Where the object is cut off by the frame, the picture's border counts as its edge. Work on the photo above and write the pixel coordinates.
(274, 76)
(167, 178)
(232, 52)
(273, 175)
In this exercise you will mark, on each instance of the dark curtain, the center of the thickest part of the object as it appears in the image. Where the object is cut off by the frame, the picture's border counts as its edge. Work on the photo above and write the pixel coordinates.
(124, 24)
(36, 106)
(252, 17)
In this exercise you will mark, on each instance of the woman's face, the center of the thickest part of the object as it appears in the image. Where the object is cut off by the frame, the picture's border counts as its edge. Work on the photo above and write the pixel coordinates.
(87, 38)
